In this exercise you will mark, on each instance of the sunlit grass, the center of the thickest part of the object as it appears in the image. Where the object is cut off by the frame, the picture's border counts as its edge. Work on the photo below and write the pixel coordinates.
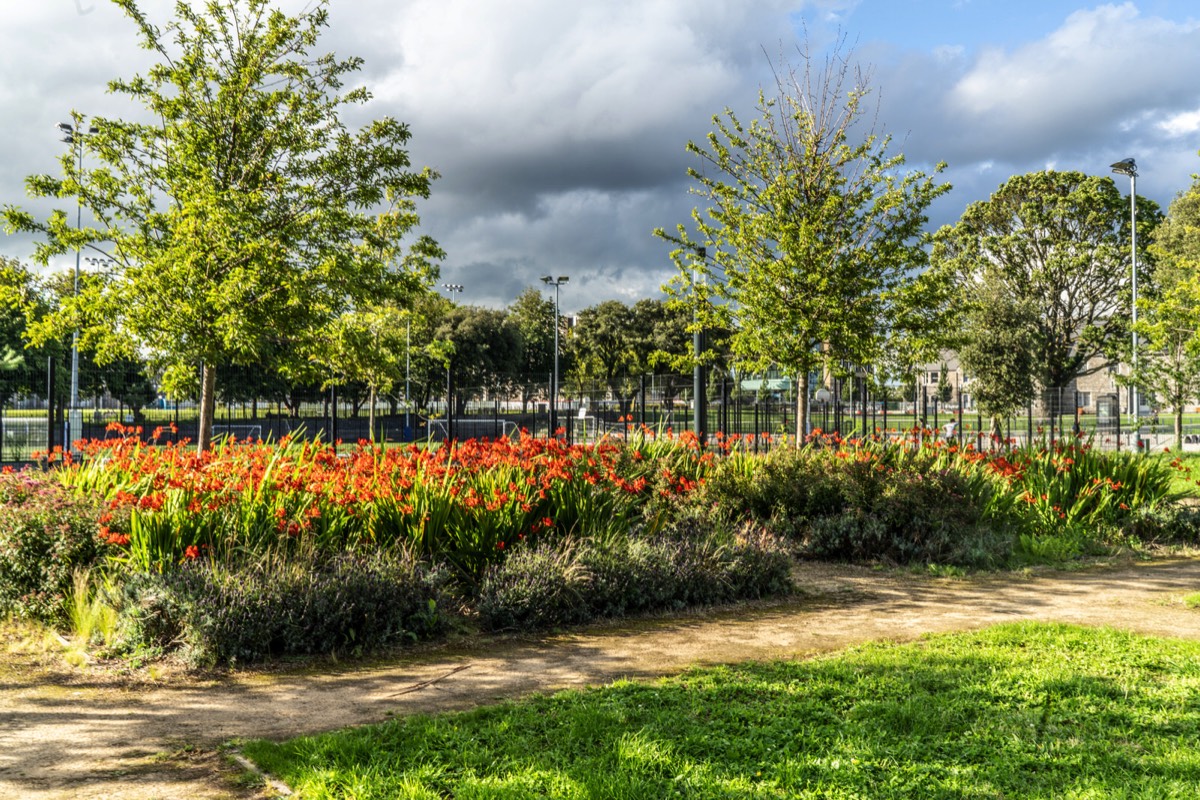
(1024, 710)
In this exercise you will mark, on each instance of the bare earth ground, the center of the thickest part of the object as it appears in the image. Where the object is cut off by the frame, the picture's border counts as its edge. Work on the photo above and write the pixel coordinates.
(84, 732)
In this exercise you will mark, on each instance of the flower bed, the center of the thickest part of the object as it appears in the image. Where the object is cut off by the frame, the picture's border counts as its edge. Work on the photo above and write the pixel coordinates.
(524, 533)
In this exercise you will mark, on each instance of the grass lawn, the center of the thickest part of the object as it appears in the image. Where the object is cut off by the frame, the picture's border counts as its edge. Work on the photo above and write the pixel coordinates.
(1023, 710)
(1187, 480)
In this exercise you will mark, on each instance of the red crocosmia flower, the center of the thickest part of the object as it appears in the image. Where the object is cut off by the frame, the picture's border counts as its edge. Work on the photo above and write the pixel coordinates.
(499, 545)
(191, 551)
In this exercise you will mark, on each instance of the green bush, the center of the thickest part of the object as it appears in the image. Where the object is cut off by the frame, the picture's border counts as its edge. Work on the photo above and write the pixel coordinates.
(913, 517)
(569, 582)
(45, 535)
(225, 615)
(787, 486)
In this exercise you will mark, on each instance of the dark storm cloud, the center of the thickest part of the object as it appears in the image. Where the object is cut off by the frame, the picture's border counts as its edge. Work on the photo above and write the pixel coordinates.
(559, 128)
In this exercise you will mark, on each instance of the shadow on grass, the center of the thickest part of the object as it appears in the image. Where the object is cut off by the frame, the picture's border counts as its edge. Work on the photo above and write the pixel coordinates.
(1015, 711)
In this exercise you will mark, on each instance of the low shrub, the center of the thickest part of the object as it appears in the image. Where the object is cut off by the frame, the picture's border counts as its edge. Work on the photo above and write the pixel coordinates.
(46, 534)
(907, 517)
(787, 486)
(218, 614)
(1168, 524)
(573, 581)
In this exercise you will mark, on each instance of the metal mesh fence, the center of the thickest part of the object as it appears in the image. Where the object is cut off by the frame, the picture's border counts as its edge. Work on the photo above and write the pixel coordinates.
(759, 416)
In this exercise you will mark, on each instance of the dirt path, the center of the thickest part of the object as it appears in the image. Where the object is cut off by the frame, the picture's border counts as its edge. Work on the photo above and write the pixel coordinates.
(84, 734)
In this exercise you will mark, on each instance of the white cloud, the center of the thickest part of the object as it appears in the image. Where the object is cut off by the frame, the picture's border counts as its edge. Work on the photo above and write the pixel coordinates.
(1102, 64)
(1181, 124)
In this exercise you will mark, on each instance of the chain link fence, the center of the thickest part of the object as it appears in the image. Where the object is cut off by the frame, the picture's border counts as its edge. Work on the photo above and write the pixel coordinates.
(756, 412)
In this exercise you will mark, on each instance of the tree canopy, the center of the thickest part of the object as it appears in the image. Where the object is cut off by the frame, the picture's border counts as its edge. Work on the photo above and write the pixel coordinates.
(812, 233)
(1169, 323)
(246, 212)
(1057, 246)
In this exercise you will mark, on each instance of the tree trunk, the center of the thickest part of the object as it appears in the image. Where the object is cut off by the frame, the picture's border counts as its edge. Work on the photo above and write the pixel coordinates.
(1179, 426)
(371, 413)
(208, 403)
(801, 407)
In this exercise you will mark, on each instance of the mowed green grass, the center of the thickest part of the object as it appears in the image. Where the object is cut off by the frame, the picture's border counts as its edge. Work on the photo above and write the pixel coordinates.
(1187, 475)
(1022, 710)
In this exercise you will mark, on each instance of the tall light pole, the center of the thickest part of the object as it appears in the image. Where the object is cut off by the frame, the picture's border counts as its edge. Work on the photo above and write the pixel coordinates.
(556, 283)
(451, 288)
(1129, 167)
(407, 373)
(699, 389)
(74, 136)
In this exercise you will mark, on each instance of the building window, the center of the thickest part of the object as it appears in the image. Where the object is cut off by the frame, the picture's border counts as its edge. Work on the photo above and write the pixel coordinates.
(1084, 399)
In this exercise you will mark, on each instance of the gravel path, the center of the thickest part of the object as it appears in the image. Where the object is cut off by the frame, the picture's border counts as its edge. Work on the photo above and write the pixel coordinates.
(86, 734)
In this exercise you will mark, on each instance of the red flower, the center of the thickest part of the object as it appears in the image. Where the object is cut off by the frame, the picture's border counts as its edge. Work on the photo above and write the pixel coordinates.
(191, 551)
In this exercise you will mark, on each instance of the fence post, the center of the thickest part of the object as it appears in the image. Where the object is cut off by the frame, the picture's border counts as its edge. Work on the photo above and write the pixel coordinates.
(1118, 418)
(333, 426)
(50, 381)
(1077, 430)
(1029, 424)
(642, 393)
(885, 427)
(960, 416)
(924, 411)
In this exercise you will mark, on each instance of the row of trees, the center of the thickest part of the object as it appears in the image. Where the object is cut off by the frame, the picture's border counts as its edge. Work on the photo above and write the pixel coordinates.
(242, 227)
(812, 249)
(377, 352)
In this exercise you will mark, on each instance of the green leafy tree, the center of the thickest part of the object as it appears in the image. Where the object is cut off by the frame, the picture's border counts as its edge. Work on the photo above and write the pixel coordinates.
(998, 353)
(605, 346)
(366, 345)
(1055, 244)
(125, 379)
(485, 352)
(1169, 315)
(532, 315)
(25, 299)
(662, 343)
(812, 233)
(244, 213)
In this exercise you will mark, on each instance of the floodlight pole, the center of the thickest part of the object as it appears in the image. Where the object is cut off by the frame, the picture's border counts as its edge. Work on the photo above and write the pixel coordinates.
(699, 388)
(556, 283)
(450, 288)
(1129, 167)
(407, 373)
(71, 135)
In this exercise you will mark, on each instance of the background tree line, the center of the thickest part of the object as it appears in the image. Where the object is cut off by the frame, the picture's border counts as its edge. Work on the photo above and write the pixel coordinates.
(253, 245)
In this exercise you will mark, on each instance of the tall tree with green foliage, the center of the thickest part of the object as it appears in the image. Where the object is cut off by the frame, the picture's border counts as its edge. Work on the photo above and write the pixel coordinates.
(245, 211)
(484, 352)
(532, 316)
(998, 352)
(365, 345)
(607, 345)
(1055, 244)
(1169, 315)
(812, 232)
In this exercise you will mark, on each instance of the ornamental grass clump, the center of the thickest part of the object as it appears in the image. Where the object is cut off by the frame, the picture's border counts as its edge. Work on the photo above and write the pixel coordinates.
(225, 614)
(688, 562)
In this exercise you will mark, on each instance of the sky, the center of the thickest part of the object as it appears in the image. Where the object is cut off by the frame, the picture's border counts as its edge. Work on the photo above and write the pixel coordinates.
(559, 128)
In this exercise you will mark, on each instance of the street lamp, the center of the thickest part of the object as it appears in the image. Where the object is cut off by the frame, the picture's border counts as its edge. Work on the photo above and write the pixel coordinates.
(407, 373)
(699, 389)
(549, 281)
(1129, 167)
(450, 288)
(74, 136)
